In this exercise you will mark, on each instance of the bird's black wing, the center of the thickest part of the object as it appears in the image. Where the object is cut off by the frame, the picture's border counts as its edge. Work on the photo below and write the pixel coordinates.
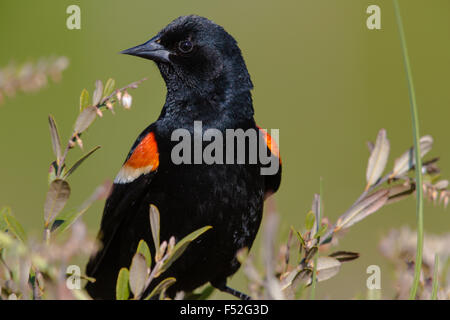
(271, 181)
(129, 189)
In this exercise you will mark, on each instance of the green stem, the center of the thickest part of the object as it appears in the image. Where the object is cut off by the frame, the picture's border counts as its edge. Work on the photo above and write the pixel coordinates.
(435, 278)
(415, 127)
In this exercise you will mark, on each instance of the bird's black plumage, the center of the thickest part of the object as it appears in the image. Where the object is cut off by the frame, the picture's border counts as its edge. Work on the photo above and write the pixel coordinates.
(207, 80)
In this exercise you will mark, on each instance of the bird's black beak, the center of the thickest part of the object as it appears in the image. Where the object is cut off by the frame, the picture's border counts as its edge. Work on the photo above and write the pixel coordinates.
(151, 50)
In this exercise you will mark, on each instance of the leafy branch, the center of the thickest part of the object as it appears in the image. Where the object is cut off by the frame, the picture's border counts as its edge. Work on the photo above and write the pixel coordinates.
(287, 280)
(103, 97)
(33, 270)
(139, 277)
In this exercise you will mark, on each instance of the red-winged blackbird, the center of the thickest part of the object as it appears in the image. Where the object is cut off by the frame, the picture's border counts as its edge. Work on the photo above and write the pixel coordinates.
(207, 80)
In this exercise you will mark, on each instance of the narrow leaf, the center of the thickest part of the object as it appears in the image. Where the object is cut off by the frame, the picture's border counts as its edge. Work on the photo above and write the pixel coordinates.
(80, 161)
(406, 161)
(97, 92)
(205, 293)
(145, 251)
(344, 256)
(154, 225)
(323, 228)
(84, 99)
(3, 224)
(310, 220)
(378, 159)
(57, 196)
(181, 246)
(362, 209)
(122, 288)
(85, 119)
(12, 225)
(138, 274)
(109, 87)
(64, 220)
(161, 287)
(399, 192)
(327, 268)
(56, 142)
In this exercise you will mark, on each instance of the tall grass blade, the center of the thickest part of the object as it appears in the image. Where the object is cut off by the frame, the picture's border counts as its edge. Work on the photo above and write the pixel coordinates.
(415, 126)
(435, 278)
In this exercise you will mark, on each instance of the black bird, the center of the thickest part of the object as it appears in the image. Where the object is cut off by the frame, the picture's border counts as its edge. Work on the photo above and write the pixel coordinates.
(207, 80)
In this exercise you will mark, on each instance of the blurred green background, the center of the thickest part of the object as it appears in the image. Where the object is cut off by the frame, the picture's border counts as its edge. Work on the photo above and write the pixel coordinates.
(326, 81)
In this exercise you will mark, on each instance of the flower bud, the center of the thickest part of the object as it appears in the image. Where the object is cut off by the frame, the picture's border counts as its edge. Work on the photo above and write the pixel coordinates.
(126, 100)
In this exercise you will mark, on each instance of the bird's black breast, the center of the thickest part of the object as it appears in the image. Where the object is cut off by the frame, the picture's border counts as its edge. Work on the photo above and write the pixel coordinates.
(228, 197)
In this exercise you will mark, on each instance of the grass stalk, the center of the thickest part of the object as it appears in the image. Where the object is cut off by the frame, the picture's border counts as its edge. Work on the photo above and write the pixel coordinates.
(418, 162)
(435, 278)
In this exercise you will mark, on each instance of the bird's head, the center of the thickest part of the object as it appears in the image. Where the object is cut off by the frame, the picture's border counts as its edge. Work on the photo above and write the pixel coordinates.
(195, 54)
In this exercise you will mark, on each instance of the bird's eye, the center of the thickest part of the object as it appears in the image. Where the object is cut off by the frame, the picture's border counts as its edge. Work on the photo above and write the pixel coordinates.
(185, 46)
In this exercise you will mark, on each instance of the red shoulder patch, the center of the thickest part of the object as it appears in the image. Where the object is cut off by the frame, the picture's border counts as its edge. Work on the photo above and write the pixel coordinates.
(271, 144)
(144, 159)
(145, 154)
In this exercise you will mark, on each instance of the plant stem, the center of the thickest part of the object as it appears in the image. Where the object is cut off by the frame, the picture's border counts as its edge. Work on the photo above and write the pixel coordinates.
(319, 218)
(415, 127)
(435, 278)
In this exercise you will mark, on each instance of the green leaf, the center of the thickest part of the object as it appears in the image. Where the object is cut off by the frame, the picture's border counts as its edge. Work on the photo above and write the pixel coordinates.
(406, 161)
(65, 220)
(362, 209)
(309, 221)
(378, 159)
(97, 95)
(3, 224)
(161, 287)
(202, 295)
(145, 251)
(84, 99)
(52, 172)
(138, 274)
(80, 161)
(154, 225)
(181, 246)
(85, 119)
(323, 228)
(56, 142)
(12, 224)
(57, 196)
(299, 236)
(122, 288)
(327, 268)
(109, 87)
